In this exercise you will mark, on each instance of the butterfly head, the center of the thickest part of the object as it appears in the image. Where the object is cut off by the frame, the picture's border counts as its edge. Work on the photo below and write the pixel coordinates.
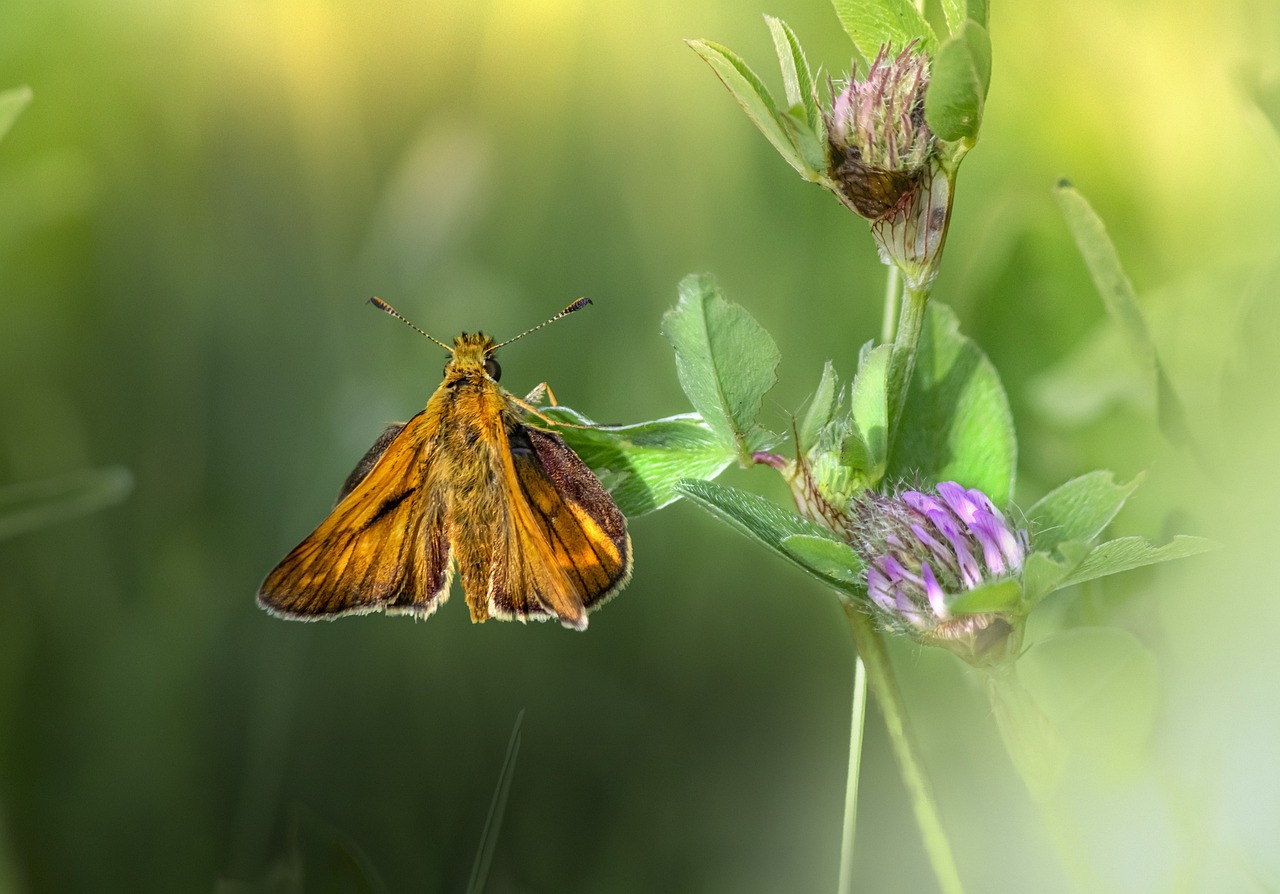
(473, 353)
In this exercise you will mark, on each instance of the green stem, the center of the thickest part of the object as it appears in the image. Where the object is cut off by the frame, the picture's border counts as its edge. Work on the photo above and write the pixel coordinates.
(857, 721)
(871, 649)
(902, 362)
(892, 288)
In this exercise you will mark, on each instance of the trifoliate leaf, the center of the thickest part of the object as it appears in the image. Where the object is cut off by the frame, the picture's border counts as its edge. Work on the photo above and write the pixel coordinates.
(1077, 510)
(956, 425)
(642, 463)
(726, 363)
(762, 521)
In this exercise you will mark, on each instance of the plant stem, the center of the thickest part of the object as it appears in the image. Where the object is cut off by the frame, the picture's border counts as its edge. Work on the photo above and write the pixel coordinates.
(892, 288)
(856, 723)
(871, 649)
(902, 362)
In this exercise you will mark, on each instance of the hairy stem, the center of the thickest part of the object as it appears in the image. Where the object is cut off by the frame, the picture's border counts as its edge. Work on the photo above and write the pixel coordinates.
(892, 288)
(880, 678)
(902, 362)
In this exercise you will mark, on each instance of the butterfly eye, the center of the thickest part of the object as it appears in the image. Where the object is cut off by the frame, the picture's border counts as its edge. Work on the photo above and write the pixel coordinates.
(492, 368)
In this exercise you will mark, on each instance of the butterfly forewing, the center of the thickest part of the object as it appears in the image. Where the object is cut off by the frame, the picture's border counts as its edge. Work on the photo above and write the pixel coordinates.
(383, 546)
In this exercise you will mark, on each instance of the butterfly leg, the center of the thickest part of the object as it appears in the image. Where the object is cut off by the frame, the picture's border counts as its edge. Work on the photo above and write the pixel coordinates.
(535, 396)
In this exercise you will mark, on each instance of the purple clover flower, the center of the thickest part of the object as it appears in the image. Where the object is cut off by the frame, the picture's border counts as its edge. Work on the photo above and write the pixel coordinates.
(920, 548)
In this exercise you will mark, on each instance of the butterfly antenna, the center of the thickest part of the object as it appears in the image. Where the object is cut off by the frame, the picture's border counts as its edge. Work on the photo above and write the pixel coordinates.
(577, 305)
(383, 306)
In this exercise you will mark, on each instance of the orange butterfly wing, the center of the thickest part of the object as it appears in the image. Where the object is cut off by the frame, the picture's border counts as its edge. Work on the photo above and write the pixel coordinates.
(384, 546)
(566, 549)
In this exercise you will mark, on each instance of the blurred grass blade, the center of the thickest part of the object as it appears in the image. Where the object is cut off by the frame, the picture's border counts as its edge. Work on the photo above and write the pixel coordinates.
(327, 859)
(12, 102)
(497, 807)
(857, 722)
(641, 464)
(725, 361)
(872, 23)
(37, 504)
(1100, 256)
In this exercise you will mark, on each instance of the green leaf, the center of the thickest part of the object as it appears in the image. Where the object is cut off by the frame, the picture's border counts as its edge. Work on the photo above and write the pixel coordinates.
(797, 80)
(755, 100)
(725, 360)
(855, 455)
(642, 463)
(38, 504)
(762, 521)
(958, 11)
(979, 12)
(1115, 556)
(958, 85)
(956, 424)
(994, 596)
(955, 11)
(1041, 575)
(826, 557)
(870, 408)
(1077, 510)
(1117, 293)
(12, 102)
(1099, 687)
(821, 410)
(873, 23)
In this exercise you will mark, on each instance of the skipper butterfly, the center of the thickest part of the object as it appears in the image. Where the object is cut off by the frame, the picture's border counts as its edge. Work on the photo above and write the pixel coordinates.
(466, 483)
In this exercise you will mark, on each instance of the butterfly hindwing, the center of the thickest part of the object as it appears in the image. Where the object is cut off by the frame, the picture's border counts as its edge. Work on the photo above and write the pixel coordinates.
(567, 549)
(383, 546)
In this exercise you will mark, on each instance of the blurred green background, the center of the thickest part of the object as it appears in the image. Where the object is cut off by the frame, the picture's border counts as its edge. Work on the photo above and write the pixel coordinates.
(194, 209)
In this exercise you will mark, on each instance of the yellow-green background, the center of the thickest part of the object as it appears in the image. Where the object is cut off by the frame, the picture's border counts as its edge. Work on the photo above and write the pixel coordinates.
(193, 210)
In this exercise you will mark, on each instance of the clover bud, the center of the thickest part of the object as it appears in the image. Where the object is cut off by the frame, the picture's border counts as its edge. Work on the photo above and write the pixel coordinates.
(884, 164)
(879, 142)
